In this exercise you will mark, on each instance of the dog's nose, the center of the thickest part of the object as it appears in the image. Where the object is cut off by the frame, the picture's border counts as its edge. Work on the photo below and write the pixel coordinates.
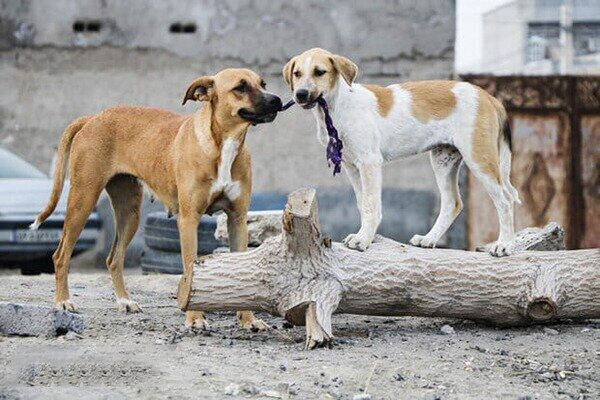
(273, 102)
(302, 95)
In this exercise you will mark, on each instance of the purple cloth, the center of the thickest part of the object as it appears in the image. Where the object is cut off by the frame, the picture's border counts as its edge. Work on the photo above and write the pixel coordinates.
(335, 146)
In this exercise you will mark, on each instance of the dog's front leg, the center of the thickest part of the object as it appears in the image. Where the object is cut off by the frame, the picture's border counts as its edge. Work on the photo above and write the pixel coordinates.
(237, 228)
(354, 178)
(187, 221)
(370, 179)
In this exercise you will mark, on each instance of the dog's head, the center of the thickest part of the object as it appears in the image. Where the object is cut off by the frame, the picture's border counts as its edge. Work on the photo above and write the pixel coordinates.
(236, 93)
(316, 73)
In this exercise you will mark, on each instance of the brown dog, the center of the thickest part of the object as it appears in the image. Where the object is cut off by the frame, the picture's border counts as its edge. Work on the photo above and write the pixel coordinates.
(193, 164)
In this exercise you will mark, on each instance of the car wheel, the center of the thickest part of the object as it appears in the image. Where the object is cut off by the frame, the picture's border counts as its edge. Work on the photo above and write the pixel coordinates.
(164, 262)
(161, 233)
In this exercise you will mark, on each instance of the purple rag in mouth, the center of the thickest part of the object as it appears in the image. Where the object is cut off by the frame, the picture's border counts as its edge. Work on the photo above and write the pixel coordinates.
(335, 146)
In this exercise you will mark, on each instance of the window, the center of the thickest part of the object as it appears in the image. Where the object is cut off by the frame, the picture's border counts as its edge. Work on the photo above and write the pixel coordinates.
(93, 26)
(586, 37)
(179, 27)
(540, 37)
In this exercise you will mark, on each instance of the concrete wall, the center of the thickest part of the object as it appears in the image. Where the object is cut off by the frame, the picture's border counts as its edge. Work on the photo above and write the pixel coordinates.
(50, 74)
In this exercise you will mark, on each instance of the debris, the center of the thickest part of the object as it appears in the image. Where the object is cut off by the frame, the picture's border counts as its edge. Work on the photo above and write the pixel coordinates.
(550, 331)
(72, 336)
(361, 397)
(271, 393)
(447, 330)
(232, 389)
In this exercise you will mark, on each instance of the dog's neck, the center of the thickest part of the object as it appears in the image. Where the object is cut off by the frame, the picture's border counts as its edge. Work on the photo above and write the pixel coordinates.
(337, 95)
(214, 128)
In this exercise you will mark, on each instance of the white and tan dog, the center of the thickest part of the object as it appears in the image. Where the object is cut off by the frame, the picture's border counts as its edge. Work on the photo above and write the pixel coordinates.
(455, 121)
(194, 164)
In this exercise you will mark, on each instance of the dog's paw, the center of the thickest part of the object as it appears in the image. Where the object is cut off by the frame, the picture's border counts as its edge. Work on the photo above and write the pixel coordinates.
(501, 249)
(251, 323)
(357, 242)
(423, 241)
(128, 306)
(195, 320)
(66, 305)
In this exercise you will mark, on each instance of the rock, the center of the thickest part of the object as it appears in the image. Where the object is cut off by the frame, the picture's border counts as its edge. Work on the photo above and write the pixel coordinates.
(550, 331)
(361, 397)
(261, 225)
(38, 320)
(447, 330)
(232, 389)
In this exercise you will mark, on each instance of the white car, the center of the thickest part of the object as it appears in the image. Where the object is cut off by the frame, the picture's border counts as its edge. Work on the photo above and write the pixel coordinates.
(24, 192)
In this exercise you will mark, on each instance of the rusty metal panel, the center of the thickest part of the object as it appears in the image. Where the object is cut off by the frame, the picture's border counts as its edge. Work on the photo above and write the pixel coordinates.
(590, 160)
(556, 156)
(539, 172)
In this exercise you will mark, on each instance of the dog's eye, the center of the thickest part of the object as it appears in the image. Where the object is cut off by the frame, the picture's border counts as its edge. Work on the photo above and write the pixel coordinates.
(297, 74)
(241, 87)
(263, 84)
(319, 72)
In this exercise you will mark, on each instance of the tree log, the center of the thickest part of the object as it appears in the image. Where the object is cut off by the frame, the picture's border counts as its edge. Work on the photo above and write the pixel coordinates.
(304, 277)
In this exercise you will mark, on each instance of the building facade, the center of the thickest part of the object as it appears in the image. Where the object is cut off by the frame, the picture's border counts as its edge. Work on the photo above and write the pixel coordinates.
(524, 37)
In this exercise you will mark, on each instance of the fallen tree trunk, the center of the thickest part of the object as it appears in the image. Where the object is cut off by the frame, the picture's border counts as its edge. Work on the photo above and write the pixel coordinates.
(304, 277)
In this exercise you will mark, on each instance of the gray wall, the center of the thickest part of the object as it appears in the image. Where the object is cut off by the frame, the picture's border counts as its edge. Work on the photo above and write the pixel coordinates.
(50, 74)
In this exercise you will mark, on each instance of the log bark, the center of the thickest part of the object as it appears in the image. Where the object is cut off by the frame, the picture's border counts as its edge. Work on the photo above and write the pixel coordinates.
(304, 277)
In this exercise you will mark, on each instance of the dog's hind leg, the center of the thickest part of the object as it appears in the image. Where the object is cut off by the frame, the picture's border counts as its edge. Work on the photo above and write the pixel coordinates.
(81, 201)
(126, 195)
(446, 162)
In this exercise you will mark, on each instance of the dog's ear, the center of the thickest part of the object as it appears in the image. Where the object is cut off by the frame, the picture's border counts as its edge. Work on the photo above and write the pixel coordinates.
(201, 89)
(287, 72)
(345, 67)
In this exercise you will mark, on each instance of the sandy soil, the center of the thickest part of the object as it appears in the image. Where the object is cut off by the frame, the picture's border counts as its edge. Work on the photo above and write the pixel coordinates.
(151, 355)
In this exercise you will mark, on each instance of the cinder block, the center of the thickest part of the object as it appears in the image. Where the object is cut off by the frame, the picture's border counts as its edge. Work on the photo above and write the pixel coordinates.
(37, 320)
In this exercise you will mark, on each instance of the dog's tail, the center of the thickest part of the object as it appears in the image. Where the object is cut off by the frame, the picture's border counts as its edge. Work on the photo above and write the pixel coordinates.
(505, 150)
(60, 169)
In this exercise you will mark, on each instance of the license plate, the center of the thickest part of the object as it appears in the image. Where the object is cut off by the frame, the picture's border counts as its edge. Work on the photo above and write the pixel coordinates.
(38, 236)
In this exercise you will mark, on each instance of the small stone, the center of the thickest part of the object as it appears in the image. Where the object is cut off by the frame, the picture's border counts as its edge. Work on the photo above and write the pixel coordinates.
(447, 330)
(584, 330)
(232, 389)
(250, 389)
(361, 397)
(72, 336)
(398, 377)
(283, 366)
(550, 331)
(271, 393)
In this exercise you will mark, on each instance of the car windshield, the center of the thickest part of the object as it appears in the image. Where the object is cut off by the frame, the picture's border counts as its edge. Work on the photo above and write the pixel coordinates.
(12, 166)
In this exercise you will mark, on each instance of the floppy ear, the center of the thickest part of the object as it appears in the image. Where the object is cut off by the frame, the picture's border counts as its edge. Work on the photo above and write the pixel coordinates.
(201, 89)
(287, 72)
(345, 67)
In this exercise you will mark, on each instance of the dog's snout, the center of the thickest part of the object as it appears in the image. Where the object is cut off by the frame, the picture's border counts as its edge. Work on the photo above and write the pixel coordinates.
(273, 102)
(302, 95)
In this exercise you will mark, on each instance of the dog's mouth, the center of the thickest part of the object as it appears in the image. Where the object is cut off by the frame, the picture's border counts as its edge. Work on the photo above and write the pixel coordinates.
(256, 118)
(310, 103)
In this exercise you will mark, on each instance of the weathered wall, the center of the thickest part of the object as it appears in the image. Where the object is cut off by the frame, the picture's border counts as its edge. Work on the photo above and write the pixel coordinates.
(50, 74)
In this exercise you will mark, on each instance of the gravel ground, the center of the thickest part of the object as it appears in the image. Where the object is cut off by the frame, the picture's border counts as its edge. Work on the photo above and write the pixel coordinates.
(151, 355)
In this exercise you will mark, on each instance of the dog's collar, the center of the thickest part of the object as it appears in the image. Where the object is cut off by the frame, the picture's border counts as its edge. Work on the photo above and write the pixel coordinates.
(335, 146)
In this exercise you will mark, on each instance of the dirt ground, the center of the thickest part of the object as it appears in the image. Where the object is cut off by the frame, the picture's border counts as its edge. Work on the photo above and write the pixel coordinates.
(151, 355)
